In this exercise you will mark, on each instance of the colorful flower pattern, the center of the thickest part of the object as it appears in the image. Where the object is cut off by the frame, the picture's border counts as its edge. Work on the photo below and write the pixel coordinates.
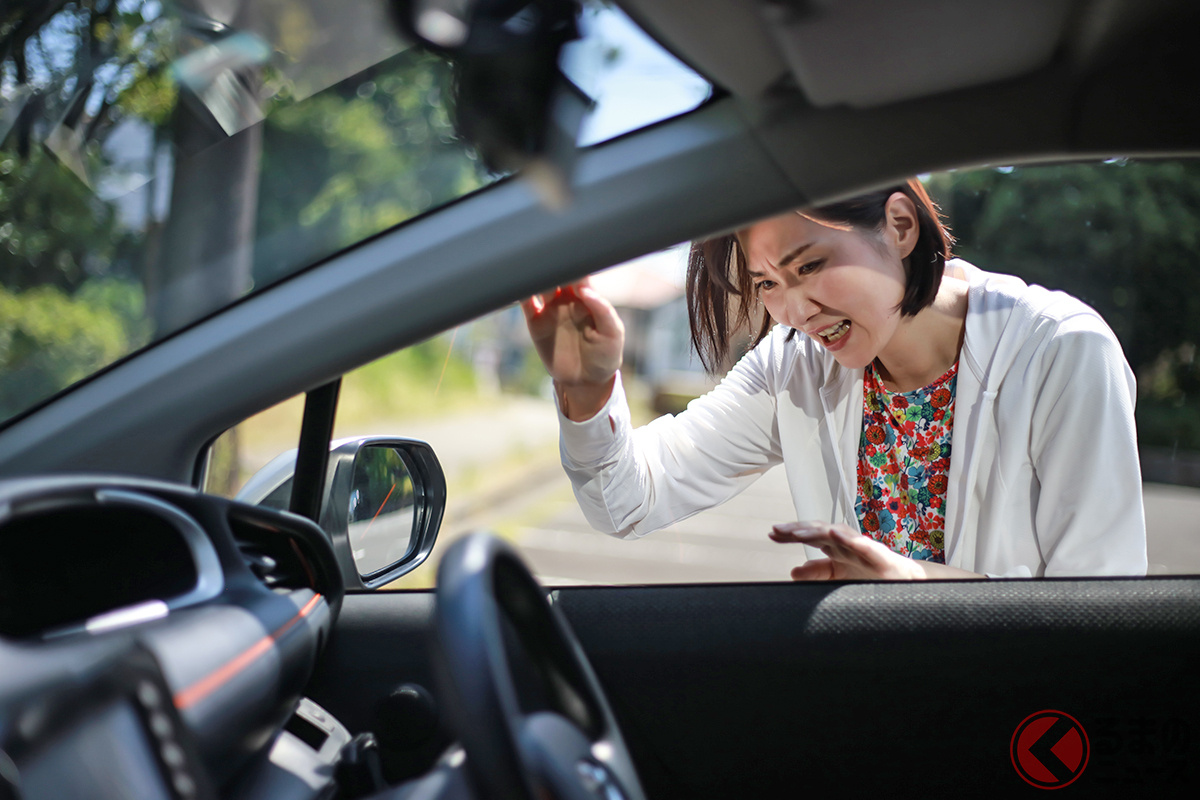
(903, 461)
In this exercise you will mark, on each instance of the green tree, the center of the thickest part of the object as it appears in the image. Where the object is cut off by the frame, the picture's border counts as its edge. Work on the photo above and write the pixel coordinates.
(247, 206)
(75, 71)
(49, 340)
(1122, 236)
(54, 231)
(366, 154)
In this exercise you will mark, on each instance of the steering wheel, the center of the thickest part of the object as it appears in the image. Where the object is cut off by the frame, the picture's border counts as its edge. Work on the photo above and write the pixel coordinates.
(524, 701)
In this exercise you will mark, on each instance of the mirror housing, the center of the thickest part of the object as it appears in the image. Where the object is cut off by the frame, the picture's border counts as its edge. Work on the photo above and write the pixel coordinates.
(382, 507)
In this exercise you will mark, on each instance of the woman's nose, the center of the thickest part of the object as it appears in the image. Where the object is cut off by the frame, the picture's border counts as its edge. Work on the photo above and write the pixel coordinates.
(801, 307)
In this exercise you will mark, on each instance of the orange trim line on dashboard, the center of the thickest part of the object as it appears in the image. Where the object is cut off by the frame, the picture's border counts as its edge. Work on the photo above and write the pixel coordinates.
(202, 688)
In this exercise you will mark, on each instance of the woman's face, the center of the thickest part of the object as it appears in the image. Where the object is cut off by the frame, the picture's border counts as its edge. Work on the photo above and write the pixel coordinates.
(842, 288)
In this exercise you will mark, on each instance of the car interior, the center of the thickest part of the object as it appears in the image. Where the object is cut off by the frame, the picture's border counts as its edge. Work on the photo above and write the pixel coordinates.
(161, 641)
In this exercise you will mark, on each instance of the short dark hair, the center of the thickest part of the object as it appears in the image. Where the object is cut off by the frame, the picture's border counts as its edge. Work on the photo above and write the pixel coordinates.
(720, 291)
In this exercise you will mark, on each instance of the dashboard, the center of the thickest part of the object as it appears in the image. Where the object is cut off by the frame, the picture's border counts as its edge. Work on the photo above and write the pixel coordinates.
(155, 643)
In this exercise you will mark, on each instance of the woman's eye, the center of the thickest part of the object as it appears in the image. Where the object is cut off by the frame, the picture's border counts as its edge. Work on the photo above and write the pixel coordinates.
(763, 285)
(811, 266)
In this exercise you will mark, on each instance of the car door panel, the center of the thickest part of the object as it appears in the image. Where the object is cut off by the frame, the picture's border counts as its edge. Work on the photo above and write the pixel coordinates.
(778, 689)
(770, 689)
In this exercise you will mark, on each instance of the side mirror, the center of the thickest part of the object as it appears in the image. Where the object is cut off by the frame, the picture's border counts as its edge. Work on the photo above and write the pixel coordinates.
(383, 507)
(383, 504)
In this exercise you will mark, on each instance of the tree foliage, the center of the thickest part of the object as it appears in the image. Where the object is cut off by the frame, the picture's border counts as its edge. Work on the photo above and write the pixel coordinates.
(1123, 237)
(369, 153)
(97, 84)
(49, 339)
(53, 230)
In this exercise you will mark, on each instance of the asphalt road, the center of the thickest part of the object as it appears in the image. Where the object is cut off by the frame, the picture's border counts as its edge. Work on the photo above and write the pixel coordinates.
(730, 543)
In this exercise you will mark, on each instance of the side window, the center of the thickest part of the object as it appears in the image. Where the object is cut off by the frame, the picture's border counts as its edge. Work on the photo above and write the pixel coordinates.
(252, 461)
(479, 397)
(1119, 235)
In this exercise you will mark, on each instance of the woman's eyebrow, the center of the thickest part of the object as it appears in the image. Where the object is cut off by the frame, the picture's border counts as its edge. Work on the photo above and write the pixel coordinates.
(794, 254)
(791, 256)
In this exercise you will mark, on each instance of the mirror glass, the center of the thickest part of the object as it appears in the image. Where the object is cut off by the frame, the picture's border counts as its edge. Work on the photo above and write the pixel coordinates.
(382, 512)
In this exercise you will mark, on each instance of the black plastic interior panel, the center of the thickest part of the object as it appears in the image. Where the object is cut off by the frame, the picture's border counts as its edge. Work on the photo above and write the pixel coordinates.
(244, 599)
(235, 703)
(375, 675)
(105, 728)
(779, 690)
(65, 565)
(896, 689)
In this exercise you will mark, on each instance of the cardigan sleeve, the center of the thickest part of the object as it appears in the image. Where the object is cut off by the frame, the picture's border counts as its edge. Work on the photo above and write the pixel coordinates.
(1089, 516)
(631, 482)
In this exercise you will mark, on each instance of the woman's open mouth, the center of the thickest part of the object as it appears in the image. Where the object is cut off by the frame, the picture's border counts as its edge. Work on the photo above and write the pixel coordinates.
(835, 332)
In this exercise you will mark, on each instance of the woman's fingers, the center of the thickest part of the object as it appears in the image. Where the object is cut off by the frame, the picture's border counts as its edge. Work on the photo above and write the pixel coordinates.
(821, 536)
(868, 550)
(567, 296)
(608, 322)
(849, 553)
(532, 306)
(810, 533)
(578, 334)
(583, 307)
(835, 541)
(819, 569)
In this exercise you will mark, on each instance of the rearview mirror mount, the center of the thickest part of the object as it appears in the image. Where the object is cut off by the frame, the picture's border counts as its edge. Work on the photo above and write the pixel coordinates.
(510, 98)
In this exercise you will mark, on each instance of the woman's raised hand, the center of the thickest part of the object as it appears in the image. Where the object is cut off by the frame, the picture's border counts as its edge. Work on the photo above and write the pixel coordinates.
(579, 338)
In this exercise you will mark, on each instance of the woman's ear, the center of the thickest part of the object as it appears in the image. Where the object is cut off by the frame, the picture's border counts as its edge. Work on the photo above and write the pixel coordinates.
(900, 223)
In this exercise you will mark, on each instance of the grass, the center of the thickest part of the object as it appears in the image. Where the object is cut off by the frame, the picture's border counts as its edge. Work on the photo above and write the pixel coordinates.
(421, 381)
(426, 380)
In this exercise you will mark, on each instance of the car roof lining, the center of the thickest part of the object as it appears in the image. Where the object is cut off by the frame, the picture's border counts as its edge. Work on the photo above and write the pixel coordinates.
(870, 53)
(722, 39)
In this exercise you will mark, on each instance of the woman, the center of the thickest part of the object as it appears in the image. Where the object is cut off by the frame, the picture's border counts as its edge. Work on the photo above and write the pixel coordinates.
(934, 420)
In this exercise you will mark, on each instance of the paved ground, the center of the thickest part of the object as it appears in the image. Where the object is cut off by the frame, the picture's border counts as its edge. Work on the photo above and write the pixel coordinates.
(1173, 529)
(728, 543)
(514, 427)
(506, 465)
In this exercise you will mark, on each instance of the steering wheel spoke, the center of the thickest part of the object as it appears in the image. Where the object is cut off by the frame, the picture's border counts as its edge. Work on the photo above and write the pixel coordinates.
(559, 755)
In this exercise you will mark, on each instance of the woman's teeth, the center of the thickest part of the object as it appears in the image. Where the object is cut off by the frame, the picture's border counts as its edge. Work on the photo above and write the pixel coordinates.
(835, 332)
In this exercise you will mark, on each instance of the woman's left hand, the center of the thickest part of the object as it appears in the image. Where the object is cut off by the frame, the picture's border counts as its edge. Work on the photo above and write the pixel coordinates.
(849, 554)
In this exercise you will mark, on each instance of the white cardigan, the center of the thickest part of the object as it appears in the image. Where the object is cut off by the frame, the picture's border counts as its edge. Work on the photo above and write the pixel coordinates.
(1044, 474)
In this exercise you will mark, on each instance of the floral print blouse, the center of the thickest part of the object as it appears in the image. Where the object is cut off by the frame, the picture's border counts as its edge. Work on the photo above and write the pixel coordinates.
(903, 461)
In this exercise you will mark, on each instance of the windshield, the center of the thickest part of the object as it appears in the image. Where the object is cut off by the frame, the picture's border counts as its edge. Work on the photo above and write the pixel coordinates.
(161, 160)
